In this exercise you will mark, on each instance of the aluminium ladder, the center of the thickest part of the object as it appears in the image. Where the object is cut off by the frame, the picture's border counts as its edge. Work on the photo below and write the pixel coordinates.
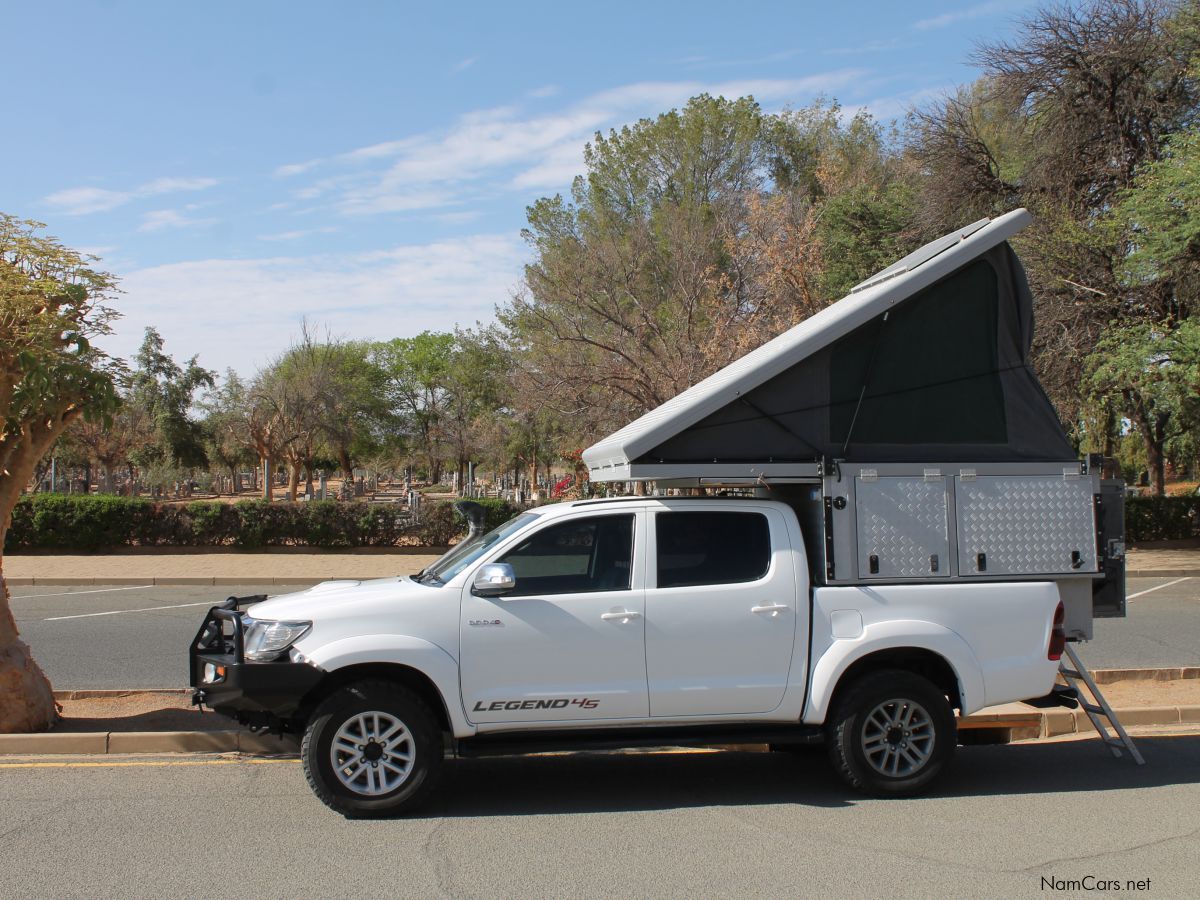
(1099, 710)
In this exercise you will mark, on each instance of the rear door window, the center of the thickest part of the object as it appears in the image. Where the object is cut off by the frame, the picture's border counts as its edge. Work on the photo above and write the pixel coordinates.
(696, 548)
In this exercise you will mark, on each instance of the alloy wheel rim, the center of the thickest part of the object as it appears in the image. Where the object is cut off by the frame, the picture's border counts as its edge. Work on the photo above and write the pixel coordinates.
(897, 738)
(372, 753)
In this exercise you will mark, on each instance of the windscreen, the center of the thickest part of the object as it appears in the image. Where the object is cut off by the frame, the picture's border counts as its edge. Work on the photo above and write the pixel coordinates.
(458, 558)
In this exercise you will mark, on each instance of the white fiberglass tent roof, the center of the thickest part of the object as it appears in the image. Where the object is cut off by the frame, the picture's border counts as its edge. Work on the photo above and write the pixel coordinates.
(926, 360)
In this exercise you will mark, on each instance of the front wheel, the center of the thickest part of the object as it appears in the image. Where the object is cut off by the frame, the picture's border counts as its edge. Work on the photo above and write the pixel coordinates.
(892, 734)
(372, 749)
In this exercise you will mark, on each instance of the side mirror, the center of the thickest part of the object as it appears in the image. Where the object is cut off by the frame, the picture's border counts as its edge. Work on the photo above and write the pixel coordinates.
(494, 580)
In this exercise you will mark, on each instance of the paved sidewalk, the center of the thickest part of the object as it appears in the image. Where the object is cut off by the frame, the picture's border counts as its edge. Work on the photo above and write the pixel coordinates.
(1174, 562)
(155, 566)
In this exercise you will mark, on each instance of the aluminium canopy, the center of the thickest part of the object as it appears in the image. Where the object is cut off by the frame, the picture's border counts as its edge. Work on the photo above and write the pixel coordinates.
(927, 360)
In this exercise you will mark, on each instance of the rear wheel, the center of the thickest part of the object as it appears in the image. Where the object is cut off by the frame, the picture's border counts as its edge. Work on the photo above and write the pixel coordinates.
(891, 734)
(372, 749)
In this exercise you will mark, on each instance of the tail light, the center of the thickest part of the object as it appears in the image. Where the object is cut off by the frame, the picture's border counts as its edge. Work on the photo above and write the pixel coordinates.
(1058, 637)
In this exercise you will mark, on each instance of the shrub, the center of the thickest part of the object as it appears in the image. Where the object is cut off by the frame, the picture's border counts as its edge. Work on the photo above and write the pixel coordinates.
(64, 521)
(1162, 518)
(213, 523)
(98, 522)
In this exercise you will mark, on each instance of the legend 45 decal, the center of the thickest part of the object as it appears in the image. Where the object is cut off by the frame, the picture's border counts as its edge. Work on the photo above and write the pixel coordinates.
(558, 703)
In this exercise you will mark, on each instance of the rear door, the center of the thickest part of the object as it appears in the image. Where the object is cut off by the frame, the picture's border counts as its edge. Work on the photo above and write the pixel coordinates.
(721, 609)
(569, 642)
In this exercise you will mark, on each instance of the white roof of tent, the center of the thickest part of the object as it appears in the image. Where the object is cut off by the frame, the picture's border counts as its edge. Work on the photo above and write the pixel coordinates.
(610, 459)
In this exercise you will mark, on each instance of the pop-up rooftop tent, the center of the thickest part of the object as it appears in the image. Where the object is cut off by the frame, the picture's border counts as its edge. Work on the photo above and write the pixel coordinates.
(928, 360)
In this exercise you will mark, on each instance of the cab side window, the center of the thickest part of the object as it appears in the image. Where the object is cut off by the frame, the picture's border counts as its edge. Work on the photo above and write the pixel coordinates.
(578, 556)
(696, 548)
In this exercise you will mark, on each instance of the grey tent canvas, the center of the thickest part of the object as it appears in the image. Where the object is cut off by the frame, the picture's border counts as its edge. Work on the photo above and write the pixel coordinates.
(927, 360)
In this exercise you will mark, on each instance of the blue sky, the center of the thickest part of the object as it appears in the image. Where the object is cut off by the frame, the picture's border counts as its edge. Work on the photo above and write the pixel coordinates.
(241, 166)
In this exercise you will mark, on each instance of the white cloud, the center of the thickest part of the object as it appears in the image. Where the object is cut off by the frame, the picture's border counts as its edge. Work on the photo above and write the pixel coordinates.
(98, 252)
(287, 171)
(80, 201)
(545, 151)
(84, 200)
(465, 64)
(241, 313)
(172, 185)
(458, 218)
(878, 46)
(973, 12)
(883, 109)
(296, 235)
(164, 219)
(546, 90)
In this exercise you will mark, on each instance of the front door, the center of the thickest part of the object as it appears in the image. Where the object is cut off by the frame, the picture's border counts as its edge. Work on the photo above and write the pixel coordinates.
(721, 610)
(569, 642)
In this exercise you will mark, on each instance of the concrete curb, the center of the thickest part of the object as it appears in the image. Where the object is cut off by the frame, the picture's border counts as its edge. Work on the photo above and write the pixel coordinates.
(98, 743)
(1110, 676)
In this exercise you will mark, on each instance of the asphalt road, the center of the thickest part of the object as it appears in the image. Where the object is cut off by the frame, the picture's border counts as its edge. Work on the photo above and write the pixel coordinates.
(118, 637)
(137, 637)
(649, 825)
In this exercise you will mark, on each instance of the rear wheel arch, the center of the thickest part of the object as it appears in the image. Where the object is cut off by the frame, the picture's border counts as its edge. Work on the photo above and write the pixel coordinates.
(929, 665)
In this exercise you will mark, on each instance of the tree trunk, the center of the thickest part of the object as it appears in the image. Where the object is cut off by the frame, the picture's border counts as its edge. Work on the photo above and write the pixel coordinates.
(1156, 460)
(26, 701)
(1152, 425)
(293, 481)
(108, 478)
(308, 480)
(346, 464)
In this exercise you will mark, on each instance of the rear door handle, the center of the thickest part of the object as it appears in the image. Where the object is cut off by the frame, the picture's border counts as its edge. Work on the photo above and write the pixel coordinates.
(624, 615)
(774, 609)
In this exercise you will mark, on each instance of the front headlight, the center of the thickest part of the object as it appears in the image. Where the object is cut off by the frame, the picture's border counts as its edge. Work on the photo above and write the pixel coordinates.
(265, 641)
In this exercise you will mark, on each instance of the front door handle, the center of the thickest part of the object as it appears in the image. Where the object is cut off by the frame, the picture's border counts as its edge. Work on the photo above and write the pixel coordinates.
(774, 609)
(623, 615)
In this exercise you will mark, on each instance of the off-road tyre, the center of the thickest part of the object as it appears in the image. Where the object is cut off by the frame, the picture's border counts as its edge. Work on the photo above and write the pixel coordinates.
(919, 749)
(369, 796)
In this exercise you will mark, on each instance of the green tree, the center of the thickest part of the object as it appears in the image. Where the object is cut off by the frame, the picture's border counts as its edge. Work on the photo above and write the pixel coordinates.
(167, 393)
(693, 238)
(350, 391)
(225, 441)
(417, 373)
(52, 304)
(1069, 112)
(1152, 374)
(475, 390)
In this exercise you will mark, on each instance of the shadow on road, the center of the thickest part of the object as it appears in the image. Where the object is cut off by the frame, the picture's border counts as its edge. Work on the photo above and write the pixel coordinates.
(657, 781)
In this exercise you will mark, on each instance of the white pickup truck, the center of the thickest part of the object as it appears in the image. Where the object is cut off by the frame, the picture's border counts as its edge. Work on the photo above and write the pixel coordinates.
(915, 535)
(625, 622)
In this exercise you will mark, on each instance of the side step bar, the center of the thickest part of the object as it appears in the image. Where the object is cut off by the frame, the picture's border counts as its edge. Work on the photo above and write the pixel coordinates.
(1097, 709)
(522, 743)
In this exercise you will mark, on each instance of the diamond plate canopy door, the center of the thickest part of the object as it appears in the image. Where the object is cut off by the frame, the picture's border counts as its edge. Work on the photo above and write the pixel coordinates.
(902, 527)
(1026, 525)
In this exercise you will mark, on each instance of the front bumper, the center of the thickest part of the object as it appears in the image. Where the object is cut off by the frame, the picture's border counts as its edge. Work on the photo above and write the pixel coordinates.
(254, 693)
